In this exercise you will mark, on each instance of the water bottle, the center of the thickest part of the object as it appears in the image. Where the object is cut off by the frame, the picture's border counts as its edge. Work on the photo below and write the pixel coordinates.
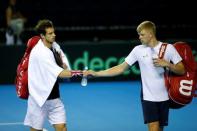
(84, 80)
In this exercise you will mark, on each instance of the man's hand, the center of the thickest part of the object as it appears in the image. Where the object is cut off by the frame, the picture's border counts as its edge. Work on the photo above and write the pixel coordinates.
(89, 73)
(160, 62)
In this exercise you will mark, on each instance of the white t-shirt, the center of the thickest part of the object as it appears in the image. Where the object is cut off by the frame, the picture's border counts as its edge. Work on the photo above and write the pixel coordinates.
(153, 84)
(42, 72)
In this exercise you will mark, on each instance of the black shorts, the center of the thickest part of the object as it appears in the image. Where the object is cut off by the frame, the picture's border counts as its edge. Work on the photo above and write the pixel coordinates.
(156, 111)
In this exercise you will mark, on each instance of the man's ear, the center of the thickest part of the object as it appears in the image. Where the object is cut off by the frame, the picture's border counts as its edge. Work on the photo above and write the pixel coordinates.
(42, 36)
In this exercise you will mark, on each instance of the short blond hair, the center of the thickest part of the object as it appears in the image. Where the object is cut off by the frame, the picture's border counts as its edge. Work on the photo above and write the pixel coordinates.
(147, 25)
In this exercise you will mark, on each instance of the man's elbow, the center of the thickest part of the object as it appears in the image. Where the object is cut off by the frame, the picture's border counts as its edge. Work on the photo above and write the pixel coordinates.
(182, 70)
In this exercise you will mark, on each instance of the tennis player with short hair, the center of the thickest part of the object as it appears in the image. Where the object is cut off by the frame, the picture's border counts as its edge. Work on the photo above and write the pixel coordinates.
(155, 100)
(45, 67)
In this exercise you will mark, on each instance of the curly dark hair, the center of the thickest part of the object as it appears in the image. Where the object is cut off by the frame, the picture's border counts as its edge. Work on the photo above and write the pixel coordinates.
(42, 25)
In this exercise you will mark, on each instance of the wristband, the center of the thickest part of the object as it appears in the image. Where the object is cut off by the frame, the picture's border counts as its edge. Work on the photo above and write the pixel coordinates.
(76, 73)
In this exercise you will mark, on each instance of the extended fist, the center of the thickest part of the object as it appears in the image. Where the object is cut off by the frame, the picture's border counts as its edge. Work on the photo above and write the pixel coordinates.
(89, 73)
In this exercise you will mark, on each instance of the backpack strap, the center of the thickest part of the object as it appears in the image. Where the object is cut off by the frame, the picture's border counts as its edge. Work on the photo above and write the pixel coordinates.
(166, 73)
(162, 50)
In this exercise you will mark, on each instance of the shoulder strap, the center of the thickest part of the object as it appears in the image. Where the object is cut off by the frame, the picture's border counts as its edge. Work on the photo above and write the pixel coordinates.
(162, 50)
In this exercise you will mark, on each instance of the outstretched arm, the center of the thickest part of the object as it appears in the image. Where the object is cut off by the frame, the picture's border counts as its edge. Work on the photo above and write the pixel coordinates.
(114, 71)
(70, 73)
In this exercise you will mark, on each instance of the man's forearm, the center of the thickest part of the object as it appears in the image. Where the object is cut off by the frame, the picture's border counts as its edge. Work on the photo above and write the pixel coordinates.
(178, 68)
(114, 71)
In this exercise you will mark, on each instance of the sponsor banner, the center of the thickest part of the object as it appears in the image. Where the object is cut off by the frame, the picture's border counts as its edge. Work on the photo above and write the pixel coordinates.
(96, 55)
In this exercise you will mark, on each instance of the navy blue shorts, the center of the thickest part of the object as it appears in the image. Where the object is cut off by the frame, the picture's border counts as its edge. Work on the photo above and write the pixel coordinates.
(156, 111)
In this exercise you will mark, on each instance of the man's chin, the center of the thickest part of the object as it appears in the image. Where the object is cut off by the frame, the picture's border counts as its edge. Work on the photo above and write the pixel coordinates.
(144, 44)
(53, 40)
